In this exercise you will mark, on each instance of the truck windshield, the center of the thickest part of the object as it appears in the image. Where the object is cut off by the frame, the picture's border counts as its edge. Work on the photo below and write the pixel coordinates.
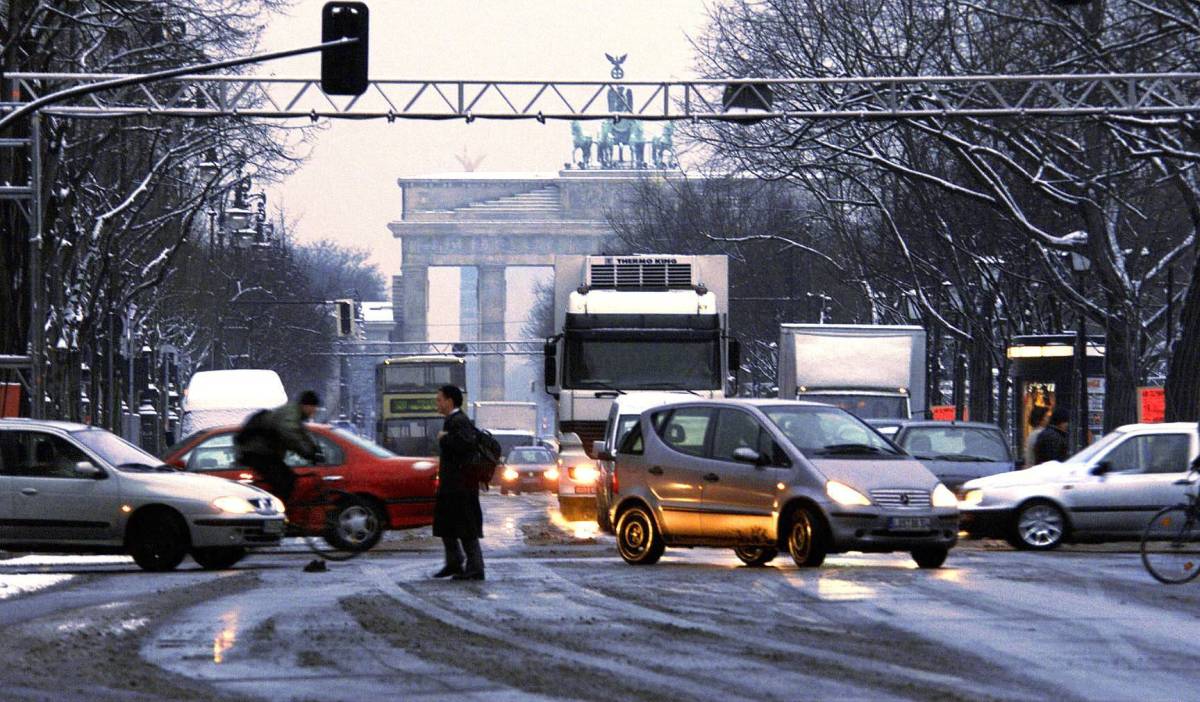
(643, 364)
(863, 406)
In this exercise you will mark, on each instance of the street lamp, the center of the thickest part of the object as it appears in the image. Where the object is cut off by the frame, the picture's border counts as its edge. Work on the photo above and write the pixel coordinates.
(1080, 264)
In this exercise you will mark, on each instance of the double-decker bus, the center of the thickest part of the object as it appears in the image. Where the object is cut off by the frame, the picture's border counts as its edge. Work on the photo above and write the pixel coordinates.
(406, 390)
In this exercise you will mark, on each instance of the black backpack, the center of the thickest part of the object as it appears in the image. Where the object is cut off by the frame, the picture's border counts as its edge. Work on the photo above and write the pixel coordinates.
(256, 426)
(488, 455)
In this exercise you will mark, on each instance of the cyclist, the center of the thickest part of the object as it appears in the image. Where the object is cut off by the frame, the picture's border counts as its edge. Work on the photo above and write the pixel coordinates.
(268, 435)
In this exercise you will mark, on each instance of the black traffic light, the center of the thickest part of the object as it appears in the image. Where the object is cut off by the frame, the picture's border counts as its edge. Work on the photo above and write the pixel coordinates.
(344, 69)
(345, 317)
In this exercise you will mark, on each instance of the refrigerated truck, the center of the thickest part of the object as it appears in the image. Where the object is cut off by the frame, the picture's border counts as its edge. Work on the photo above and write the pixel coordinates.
(875, 371)
(636, 324)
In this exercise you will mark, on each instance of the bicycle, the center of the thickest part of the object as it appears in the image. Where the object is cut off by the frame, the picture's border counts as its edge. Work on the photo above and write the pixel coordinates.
(1171, 542)
(336, 525)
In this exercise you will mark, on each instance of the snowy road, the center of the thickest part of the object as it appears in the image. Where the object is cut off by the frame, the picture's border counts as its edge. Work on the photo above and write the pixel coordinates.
(561, 617)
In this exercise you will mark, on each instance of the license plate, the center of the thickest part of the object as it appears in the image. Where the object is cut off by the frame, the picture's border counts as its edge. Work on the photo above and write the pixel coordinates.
(908, 524)
(273, 527)
(585, 489)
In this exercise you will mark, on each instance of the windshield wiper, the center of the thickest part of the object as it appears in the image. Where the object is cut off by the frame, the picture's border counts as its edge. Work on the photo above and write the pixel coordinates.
(604, 386)
(832, 449)
(963, 457)
(672, 386)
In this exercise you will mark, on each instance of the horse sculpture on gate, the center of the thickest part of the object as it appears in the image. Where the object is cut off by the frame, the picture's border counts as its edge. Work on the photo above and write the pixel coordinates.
(661, 146)
(582, 143)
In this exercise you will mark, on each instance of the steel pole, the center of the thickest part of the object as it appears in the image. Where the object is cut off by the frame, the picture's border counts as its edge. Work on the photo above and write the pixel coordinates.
(37, 286)
(1080, 412)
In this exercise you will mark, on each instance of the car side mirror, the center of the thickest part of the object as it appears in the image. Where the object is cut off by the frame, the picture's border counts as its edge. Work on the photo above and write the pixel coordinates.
(1101, 468)
(747, 455)
(600, 448)
(87, 469)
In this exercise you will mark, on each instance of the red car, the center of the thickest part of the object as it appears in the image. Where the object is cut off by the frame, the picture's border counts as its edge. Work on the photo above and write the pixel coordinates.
(399, 490)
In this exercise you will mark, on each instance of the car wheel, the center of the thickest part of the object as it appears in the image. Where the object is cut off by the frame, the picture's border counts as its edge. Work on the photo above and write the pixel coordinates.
(218, 557)
(1038, 526)
(158, 542)
(806, 539)
(755, 556)
(638, 540)
(930, 556)
(354, 525)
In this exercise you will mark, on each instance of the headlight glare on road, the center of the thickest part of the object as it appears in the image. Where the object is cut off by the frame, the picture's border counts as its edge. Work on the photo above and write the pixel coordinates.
(510, 474)
(584, 474)
(942, 497)
(973, 497)
(843, 494)
(552, 474)
(233, 505)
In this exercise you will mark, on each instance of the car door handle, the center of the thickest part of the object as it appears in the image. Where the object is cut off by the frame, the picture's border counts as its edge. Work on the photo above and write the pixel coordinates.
(655, 470)
(712, 477)
(29, 491)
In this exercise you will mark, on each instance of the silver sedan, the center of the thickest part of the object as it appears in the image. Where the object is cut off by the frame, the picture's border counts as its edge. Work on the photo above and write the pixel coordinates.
(74, 488)
(1106, 492)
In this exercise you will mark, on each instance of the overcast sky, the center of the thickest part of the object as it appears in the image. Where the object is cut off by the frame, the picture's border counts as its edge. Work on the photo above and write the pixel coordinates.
(347, 190)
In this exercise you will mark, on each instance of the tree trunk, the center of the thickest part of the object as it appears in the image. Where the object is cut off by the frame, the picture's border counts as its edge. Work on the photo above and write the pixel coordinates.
(1183, 390)
(980, 408)
(1120, 372)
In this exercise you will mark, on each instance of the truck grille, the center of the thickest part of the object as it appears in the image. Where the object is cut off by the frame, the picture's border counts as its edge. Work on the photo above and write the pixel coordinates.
(640, 276)
(901, 499)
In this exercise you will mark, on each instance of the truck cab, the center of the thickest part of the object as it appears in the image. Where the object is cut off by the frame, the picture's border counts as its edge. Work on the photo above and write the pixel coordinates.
(635, 324)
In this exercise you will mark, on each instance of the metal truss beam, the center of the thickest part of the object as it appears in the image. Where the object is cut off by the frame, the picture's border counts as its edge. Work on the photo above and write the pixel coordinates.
(824, 98)
(396, 349)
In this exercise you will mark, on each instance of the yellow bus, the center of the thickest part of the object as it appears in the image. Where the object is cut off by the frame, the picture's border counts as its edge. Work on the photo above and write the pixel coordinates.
(406, 388)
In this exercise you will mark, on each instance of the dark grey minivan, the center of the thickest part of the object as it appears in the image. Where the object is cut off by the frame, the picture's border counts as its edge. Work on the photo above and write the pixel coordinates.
(762, 476)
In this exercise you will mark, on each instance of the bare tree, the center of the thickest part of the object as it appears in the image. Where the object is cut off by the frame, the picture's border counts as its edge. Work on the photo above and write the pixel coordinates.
(1063, 186)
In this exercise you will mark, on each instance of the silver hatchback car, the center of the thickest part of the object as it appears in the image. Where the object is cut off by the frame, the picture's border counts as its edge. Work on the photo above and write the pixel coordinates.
(79, 489)
(762, 476)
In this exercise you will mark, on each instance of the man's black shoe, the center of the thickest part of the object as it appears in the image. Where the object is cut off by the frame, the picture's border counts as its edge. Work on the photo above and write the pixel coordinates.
(447, 571)
(316, 565)
(478, 575)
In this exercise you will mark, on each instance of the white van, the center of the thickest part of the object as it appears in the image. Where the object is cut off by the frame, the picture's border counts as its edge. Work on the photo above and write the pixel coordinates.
(223, 397)
(622, 416)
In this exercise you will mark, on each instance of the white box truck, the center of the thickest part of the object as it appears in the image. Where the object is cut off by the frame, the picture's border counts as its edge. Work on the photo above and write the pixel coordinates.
(632, 324)
(222, 397)
(875, 371)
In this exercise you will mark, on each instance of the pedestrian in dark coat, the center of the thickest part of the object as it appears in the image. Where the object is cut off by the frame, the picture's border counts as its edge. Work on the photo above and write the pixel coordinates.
(267, 436)
(1051, 444)
(457, 516)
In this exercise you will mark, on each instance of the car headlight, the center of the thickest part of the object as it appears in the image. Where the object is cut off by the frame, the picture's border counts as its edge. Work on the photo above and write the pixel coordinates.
(278, 504)
(552, 474)
(973, 497)
(233, 505)
(584, 474)
(843, 494)
(510, 474)
(942, 497)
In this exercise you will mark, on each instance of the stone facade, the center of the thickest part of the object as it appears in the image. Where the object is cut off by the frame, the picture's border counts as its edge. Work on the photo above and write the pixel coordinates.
(491, 221)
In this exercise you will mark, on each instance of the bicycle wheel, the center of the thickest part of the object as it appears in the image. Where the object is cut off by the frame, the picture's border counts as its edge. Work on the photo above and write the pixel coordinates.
(1171, 545)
